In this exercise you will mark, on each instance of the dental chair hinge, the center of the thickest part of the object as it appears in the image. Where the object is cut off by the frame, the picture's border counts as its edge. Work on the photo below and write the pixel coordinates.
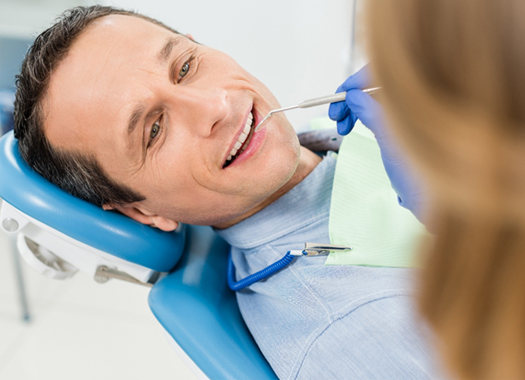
(103, 274)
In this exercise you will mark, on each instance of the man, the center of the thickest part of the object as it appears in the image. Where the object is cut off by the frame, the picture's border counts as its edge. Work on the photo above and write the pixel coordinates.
(122, 111)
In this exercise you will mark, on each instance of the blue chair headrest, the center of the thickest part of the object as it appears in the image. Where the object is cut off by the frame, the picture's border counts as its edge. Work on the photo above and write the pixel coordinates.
(107, 231)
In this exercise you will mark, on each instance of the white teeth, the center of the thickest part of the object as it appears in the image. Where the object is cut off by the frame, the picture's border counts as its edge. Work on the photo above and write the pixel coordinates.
(248, 125)
(242, 137)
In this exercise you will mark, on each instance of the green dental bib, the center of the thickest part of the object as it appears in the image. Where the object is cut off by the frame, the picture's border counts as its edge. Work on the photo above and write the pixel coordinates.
(364, 213)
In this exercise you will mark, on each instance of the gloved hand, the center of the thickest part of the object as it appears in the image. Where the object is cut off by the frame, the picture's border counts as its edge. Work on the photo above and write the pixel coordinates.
(360, 105)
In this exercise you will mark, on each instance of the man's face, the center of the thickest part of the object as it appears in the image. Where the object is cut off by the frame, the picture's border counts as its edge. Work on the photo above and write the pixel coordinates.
(161, 114)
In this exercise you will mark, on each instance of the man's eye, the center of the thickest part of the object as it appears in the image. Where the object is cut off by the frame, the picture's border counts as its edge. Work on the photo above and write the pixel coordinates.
(184, 70)
(155, 129)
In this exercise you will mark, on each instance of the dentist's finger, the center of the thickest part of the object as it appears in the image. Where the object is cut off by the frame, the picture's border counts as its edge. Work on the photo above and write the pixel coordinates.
(360, 79)
(338, 111)
(365, 108)
(346, 125)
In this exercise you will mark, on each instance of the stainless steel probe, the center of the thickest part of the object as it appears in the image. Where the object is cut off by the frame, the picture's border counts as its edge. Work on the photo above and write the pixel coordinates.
(339, 97)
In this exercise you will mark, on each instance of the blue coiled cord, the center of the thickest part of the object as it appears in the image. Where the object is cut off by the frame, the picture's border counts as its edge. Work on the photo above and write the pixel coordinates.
(266, 272)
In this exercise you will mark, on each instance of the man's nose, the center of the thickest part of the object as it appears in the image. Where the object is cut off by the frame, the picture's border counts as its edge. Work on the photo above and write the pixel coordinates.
(203, 109)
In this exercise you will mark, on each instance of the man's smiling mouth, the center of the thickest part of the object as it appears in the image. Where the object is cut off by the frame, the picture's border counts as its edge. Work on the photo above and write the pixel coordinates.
(242, 141)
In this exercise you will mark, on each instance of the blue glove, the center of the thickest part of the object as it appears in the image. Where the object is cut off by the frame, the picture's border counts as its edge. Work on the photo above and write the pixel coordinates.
(360, 105)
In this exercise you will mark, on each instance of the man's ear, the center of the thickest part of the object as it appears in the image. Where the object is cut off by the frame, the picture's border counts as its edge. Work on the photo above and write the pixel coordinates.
(144, 217)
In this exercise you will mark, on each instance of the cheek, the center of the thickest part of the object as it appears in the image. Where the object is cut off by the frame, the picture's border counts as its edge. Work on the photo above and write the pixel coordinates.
(194, 196)
(284, 162)
(166, 173)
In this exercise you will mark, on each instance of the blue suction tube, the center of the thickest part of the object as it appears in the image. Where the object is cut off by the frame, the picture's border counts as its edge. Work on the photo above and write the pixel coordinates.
(262, 274)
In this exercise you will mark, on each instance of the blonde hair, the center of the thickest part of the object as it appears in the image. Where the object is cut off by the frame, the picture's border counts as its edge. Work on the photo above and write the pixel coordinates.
(453, 78)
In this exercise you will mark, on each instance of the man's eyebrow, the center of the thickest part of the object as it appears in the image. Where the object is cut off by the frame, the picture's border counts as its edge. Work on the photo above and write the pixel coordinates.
(134, 119)
(165, 52)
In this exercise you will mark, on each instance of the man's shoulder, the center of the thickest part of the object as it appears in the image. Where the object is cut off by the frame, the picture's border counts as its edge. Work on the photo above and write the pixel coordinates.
(377, 338)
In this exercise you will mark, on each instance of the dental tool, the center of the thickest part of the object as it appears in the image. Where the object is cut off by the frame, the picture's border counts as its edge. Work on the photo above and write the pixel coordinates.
(339, 97)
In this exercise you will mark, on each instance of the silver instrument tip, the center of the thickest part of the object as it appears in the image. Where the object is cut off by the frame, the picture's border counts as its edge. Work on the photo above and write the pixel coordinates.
(262, 121)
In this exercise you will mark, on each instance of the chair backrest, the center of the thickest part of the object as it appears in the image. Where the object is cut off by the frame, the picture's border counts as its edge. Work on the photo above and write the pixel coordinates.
(193, 302)
(107, 231)
(199, 311)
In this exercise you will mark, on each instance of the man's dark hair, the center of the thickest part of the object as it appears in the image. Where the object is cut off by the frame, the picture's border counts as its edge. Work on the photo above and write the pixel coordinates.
(78, 174)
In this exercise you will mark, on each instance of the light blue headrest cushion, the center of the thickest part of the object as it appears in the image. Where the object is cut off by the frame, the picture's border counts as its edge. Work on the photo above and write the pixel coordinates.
(108, 231)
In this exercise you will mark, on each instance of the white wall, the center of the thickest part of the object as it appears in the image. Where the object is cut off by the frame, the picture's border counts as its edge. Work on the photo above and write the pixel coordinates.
(298, 48)
(27, 18)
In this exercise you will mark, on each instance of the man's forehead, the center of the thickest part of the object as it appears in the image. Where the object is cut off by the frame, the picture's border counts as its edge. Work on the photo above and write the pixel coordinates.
(127, 24)
(129, 31)
(104, 63)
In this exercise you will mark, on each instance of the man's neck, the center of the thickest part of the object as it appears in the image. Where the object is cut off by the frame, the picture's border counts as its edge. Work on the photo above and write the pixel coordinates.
(307, 162)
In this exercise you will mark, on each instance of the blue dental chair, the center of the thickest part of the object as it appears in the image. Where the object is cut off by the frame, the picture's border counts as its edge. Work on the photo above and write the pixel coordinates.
(60, 235)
